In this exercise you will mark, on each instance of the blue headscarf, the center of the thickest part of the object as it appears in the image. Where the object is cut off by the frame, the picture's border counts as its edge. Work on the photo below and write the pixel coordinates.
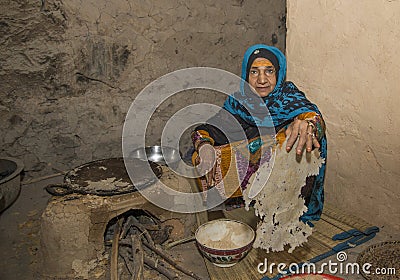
(278, 109)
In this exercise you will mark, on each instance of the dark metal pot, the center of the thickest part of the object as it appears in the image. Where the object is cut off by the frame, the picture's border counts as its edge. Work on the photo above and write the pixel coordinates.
(10, 181)
(105, 177)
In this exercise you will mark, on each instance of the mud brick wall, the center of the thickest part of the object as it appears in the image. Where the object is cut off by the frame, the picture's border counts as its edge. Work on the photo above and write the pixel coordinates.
(69, 70)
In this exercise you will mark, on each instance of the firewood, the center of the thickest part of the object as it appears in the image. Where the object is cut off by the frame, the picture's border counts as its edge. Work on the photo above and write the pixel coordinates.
(114, 251)
(178, 242)
(132, 221)
(126, 256)
(160, 267)
(138, 257)
(170, 260)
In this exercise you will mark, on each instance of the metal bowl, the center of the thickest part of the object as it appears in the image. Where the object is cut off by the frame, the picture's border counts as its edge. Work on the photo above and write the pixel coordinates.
(158, 154)
(10, 181)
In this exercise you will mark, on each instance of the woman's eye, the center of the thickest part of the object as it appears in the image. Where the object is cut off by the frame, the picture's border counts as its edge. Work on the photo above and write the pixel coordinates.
(254, 72)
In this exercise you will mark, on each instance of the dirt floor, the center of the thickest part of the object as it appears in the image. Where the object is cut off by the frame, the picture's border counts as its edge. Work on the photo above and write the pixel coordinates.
(19, 232)
(19, 235)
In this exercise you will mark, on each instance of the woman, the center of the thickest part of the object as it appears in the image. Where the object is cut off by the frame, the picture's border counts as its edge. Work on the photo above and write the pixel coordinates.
(291, 114)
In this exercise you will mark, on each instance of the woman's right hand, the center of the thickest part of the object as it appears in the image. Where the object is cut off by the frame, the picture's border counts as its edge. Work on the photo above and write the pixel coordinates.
(304, 134)
(206, 162)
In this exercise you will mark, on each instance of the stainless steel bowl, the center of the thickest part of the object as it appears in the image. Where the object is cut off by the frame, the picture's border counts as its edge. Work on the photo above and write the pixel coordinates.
(157, 154)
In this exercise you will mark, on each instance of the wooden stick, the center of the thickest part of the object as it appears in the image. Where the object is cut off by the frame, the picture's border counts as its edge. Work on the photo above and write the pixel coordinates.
(125, 254)
(180, 241)
(138, 257)
(132, 221)
(164, 256)
(149, 243)
(153, 218)
(35, 180)
(157, 265)
(160, 267)
(126, 227)
(170, 261)
(114, 251)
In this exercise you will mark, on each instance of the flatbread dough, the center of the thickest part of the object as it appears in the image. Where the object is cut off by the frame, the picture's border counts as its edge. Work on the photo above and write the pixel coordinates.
(279, 204)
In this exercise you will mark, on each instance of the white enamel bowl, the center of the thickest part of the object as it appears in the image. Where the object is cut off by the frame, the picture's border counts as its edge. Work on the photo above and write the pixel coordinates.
(224, 242)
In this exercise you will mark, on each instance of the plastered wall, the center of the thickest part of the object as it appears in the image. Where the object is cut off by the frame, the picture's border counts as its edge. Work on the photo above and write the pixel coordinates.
(345, 56)
(69, 70)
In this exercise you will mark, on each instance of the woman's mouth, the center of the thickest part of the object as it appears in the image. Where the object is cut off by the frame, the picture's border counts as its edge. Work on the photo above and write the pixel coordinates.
(262, 88)
(263, 91)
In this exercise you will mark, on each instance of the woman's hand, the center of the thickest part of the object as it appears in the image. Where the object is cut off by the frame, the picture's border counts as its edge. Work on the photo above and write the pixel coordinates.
(206, 161)
(302, 131)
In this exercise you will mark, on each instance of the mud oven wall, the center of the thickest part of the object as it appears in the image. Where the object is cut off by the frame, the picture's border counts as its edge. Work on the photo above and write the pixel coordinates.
(73, 229)
(70, 69)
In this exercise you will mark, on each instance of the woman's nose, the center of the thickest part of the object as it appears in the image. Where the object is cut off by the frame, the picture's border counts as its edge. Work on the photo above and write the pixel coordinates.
(262, 78)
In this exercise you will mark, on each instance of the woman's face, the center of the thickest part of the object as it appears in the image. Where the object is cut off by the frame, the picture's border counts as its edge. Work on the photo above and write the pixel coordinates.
(262, 76)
